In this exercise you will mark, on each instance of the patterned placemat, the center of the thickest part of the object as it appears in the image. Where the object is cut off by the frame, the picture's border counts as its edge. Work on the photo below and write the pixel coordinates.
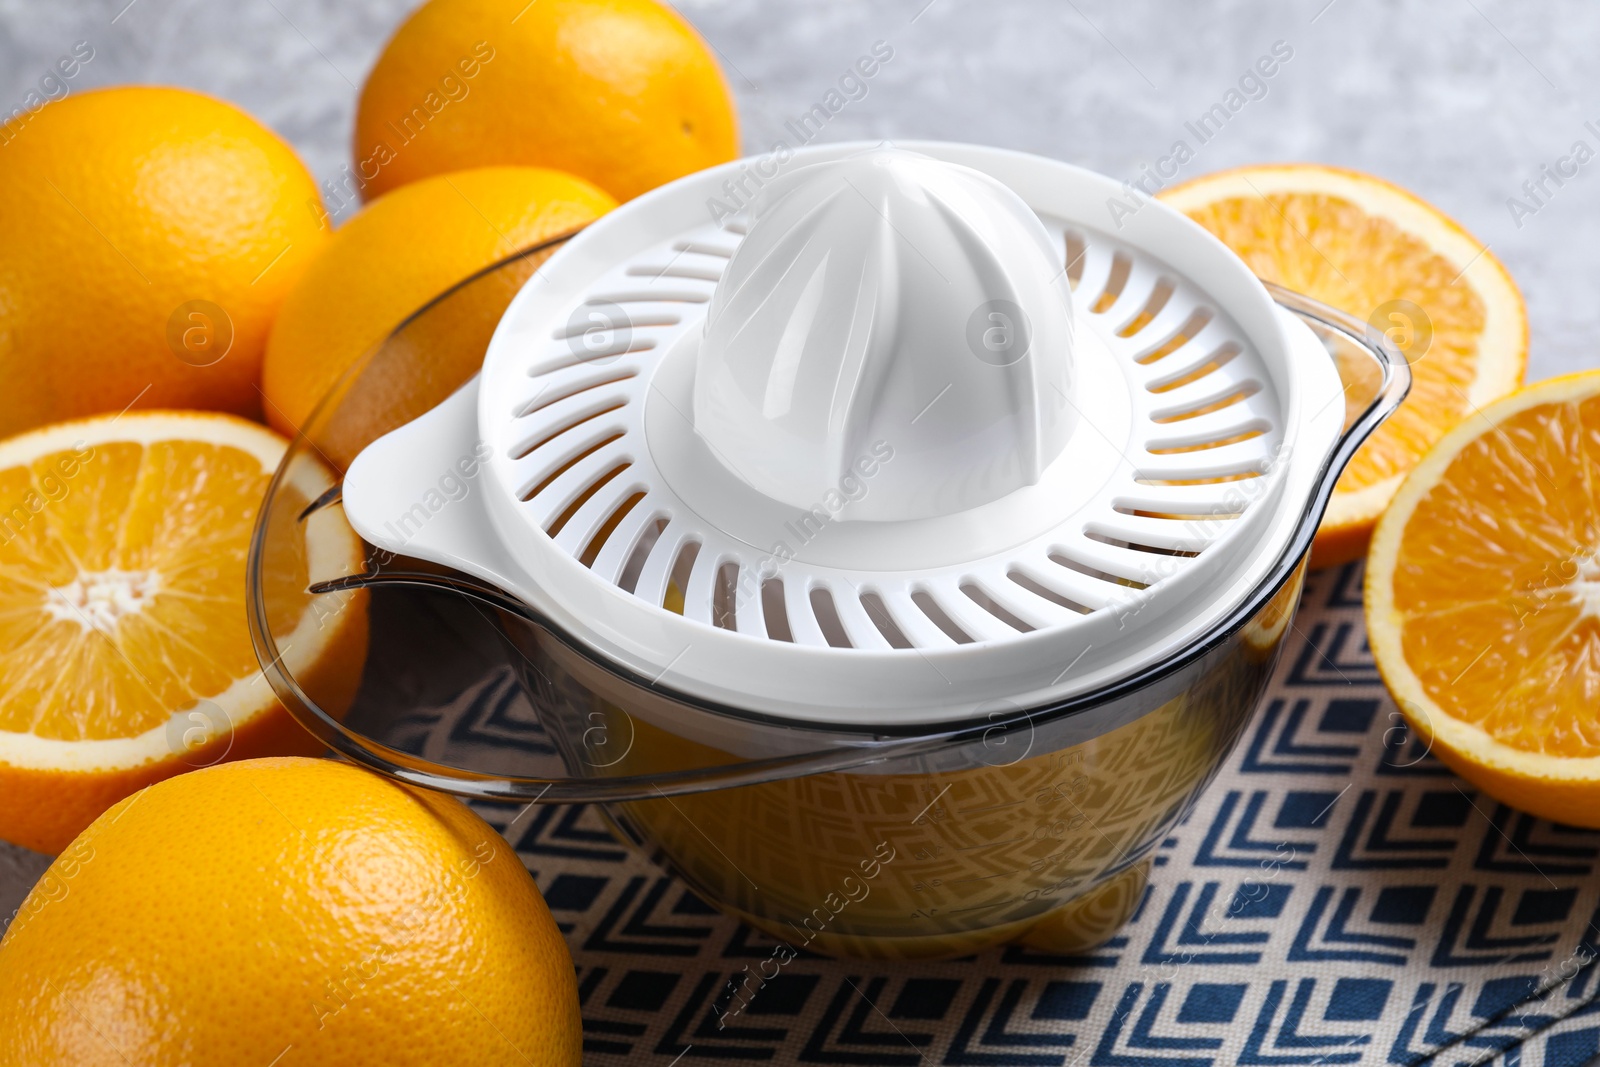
(1336, 897)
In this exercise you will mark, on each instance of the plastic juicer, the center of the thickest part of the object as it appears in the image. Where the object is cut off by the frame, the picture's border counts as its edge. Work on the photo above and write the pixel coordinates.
(896, 560)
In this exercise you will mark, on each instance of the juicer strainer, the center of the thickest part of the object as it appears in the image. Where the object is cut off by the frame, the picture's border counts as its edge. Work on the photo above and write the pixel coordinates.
(1094, 496)
(914, 481)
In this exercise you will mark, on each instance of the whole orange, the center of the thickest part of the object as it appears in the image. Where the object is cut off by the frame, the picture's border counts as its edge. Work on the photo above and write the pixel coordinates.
(150, 236)
(287, 911)
(622, 92)
(397, 254)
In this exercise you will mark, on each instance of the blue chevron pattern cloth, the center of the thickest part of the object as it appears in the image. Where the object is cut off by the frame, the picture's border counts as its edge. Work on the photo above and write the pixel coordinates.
(1337, 897)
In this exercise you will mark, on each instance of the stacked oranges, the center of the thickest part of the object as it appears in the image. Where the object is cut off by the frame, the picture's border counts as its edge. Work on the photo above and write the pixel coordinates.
(166, 252)
(171, 278)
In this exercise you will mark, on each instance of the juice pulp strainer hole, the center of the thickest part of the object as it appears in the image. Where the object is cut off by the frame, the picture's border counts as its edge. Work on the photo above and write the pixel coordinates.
(583, 498)
(542, 401)
(576, 330)
(1244, 392)
(1077, 249)
(1178, 338)
(827, 613)
(878, 612)
(1121, 265)
(676, 270)
(936, 615)
(678, 582)
(568, 427)
(1117, 542)
(1211, 479)
(979, 596)
(1061, 559)
(1039, 589)
(643, 296)
(628, 580)
(622, 343)
(1216, 361)
(1152, 307)
(724, 596)
(544, 483)
(775, 610)
(1247, 432)
(1182, 516)
(591, 551)
(702, 249)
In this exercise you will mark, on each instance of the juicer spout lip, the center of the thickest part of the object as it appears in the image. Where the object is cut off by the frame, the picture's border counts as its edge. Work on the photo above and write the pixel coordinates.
(1393, 386)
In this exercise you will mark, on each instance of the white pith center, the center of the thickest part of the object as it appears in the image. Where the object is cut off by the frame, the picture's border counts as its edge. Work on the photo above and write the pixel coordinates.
(100, 599)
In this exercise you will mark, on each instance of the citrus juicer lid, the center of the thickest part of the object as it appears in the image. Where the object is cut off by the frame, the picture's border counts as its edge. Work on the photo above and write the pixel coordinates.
(912, 435)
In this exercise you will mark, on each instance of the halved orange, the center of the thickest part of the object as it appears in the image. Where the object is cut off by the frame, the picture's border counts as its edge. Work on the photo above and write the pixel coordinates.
(1483, 599)
(1377, 252)
(124, 650)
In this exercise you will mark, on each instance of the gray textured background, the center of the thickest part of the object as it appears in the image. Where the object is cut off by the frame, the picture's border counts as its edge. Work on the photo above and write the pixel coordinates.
(1459, 101)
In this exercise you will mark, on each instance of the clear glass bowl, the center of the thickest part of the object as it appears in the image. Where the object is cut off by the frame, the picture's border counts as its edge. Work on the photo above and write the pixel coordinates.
(1030, 824)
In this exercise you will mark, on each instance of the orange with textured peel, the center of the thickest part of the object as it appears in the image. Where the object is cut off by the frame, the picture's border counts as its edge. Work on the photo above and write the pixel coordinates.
(623, 93)
(1377, 252)
(150, 236)
(287, 912)
(1483, 599)
(124, 653)
(399, 253)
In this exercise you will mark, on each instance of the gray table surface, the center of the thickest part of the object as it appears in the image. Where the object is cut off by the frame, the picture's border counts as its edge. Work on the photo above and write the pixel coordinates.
(1460, 102)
